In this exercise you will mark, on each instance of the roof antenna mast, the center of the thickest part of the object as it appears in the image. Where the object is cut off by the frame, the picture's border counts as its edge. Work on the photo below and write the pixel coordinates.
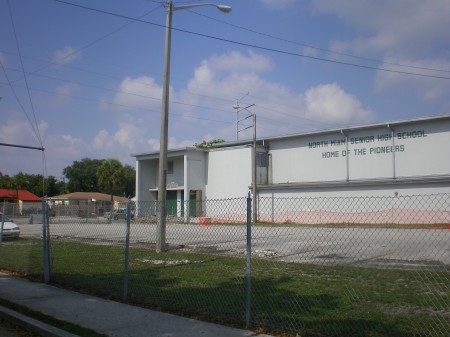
(238, 109)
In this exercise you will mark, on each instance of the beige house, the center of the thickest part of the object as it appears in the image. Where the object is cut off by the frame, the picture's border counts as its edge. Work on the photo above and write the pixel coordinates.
(85, 203)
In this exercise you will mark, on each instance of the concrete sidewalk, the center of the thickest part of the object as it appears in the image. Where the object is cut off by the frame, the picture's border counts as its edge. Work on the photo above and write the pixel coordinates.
(107, 317)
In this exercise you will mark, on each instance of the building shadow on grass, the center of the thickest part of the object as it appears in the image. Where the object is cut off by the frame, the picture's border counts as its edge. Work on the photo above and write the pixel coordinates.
(275, 308)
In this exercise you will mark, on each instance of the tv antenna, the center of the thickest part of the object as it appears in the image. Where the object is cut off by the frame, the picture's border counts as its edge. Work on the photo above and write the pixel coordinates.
(239, 109)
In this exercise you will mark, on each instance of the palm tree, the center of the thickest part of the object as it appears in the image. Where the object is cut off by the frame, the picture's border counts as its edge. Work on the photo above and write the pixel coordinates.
(110, 173)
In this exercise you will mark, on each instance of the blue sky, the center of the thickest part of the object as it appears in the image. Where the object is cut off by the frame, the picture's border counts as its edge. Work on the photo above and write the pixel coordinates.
(93, 75)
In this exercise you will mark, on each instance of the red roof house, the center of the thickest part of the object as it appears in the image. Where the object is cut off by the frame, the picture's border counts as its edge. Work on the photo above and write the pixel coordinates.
(20, 195)
(19, 200)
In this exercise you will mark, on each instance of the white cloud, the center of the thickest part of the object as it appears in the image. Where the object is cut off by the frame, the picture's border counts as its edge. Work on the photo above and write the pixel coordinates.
(102, 140)
(401, 32)
(67, 145)
(154, 144)
(332, 104)
(279, 109)
(238, 62)
(63, 97)
(63, 94)
(128, 137)
(173, 143)
(308, 51)
(66, 55)
(67, 89)
(62, 150)
(20, 132)
(3, 59)
(428, 89)
(140, 93)
(398, 27)
(278, 4)
(229, 67)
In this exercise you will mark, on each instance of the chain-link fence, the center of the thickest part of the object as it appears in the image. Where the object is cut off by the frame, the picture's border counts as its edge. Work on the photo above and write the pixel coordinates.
(353, 266)
(356, 266)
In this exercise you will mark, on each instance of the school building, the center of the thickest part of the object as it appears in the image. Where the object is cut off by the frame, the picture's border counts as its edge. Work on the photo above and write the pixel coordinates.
(410, 157)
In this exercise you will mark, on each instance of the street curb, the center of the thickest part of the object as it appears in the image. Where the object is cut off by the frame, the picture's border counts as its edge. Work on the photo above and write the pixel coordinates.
(33, 325)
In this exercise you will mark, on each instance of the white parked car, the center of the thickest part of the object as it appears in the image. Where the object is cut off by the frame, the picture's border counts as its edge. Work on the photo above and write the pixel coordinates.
(10, 229)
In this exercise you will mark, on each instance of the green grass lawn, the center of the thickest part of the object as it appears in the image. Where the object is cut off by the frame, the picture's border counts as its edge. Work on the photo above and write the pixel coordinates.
(289, 298)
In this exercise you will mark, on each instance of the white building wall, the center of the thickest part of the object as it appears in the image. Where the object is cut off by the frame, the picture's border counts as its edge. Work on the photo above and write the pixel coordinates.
(146, 178)
(197, 170)
(229, 173)
(425, 155)
(298, 159)
(410, 150)
(363, 160)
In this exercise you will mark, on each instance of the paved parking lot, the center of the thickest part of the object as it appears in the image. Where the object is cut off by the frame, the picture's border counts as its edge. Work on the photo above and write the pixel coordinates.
(406, 248)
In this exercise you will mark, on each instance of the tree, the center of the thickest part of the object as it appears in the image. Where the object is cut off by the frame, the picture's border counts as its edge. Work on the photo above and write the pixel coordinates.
(208, 145)
(60, 187)
(5, 181)
(110, 174)
(34, 183)
(53, 186)
(82, 175)
(130, 180)
(21, 181)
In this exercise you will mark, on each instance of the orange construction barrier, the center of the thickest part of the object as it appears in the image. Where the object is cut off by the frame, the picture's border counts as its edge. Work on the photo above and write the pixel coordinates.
(204, 221)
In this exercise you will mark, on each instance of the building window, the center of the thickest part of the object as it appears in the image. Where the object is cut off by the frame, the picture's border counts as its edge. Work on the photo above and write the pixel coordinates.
(262, 159)
(170, 167)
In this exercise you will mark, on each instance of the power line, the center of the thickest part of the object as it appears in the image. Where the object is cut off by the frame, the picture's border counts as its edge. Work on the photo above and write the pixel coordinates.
(182, 103)
(183, 115)
(172, 101)
(274, 50)
(171, 113)
(135, 107)
(77, 51)
(159, 98)
(23, 146)
(97, 73)
(314, 47)
(126, 92)
(35, 127)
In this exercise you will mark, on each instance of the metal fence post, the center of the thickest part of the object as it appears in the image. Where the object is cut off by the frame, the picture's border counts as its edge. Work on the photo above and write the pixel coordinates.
(46, 239)
(3, 221)
(249, 261)
(127, 248)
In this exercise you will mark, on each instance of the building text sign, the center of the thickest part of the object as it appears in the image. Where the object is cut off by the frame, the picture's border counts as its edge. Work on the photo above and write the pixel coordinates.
(365, 145)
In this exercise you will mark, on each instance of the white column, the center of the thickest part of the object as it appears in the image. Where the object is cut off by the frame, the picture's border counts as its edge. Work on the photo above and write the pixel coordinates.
(186, 189)
(138, 192)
